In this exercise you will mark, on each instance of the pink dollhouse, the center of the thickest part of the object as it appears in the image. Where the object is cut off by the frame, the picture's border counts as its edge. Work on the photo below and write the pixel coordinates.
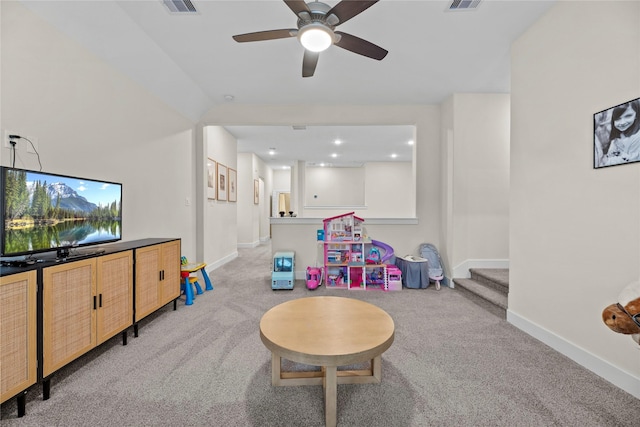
(347, 263)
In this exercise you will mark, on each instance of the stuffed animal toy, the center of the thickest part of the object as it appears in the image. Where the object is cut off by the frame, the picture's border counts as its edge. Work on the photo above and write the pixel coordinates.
(624, 317)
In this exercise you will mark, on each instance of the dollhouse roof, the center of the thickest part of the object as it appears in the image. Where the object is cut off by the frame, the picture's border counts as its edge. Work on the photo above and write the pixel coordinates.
(342, 216)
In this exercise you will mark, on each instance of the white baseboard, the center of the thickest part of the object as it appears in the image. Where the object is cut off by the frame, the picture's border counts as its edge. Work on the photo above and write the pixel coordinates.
(265, 239)
(219, 263)
(461, 271)
(249, 245)
(621, 379)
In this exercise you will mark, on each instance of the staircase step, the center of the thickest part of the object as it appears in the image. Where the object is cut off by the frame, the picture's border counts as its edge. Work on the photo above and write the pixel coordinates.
(495, 278)
(491, 299)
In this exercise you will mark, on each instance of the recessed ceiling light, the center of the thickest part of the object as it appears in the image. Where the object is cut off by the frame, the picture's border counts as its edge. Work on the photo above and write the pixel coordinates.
(272, 151)
(334, 155)
(337, 142)
(394, 155)
(410, 142)
(228, 98)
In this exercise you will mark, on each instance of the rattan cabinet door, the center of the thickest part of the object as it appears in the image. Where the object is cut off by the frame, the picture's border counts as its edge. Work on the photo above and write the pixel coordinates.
(148, 274)
(68, 312)
(18, 356)
(115, 294)
(170, 283)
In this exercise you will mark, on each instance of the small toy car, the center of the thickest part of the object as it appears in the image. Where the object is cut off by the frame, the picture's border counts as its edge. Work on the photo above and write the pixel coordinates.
(314, 277)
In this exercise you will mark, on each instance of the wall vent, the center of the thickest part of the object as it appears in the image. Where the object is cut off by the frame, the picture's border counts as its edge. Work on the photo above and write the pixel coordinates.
(299, 127)
(464, 4)
(180, 6)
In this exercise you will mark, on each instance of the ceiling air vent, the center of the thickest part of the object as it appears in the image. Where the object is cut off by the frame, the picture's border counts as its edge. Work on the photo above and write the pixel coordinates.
(464, 4)
(180, 6)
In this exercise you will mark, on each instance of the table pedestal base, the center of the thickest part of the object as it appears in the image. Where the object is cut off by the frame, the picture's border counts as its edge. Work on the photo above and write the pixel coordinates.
(328, 377)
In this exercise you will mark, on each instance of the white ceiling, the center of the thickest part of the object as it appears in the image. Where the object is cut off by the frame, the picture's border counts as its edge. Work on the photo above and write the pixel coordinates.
(192, 63)
(316, 144)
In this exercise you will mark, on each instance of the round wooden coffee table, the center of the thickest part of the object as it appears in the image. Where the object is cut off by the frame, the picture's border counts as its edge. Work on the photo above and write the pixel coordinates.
(329, 332)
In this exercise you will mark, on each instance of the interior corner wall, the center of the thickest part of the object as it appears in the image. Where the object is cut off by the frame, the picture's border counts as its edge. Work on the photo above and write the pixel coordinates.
(475, 175)
(575, 230)
(265, 183)
(253, 218)
(446, 178)
(91, 121)
(248, 229)
(220, 223)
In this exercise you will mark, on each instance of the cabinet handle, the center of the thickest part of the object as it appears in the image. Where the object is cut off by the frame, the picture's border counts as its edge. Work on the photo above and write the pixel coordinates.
(100, 303)
(160, 275)
(94, 303)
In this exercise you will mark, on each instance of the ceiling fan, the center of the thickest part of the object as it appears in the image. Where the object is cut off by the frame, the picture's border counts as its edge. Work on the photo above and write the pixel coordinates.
(316, 31)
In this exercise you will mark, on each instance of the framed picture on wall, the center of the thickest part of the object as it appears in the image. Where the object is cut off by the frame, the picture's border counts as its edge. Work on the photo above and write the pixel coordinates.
(223, 185)
(256, 192)
(233, 185)
(211, 179)
(616, 135)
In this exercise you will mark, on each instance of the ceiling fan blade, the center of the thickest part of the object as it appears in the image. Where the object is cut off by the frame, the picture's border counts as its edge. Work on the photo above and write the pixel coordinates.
(298, 7)
(360, 46)
(347, 9)
(309, 63)
(265, 35)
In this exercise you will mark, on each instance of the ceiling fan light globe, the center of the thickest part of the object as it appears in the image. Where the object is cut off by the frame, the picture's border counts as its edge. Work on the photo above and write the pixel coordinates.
(315, 38)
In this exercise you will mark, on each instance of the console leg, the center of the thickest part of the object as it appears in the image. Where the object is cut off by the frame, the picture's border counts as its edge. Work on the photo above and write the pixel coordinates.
(124, 337)
(22, 404)
(135, 330)
(46, 389)
(175, 304)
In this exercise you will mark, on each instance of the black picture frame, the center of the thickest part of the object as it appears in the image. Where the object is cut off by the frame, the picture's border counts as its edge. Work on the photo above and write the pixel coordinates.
(616, 135)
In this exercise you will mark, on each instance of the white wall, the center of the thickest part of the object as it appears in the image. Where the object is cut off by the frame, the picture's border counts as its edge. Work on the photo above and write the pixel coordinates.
(389, 190)
(376, 190)
(332, 187)
(575, 233)
(253, 219)
(248, 226)
(220, 225)
(91, 121)
(282, 180)
(476, 184)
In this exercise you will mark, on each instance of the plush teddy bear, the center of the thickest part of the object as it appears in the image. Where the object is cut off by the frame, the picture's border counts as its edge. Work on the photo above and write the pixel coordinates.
(624, 317)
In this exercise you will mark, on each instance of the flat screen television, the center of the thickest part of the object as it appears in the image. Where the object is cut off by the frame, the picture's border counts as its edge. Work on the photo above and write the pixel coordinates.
(46, 212)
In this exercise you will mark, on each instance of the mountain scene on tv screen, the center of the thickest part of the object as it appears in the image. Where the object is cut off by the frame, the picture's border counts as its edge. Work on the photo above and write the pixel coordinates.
(41, 215)
(69, 198)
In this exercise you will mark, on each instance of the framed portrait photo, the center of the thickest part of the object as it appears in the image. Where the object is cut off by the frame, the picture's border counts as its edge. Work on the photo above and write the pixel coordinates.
(233, 185)
(211, 179)
(223, 184)
(616, 135)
